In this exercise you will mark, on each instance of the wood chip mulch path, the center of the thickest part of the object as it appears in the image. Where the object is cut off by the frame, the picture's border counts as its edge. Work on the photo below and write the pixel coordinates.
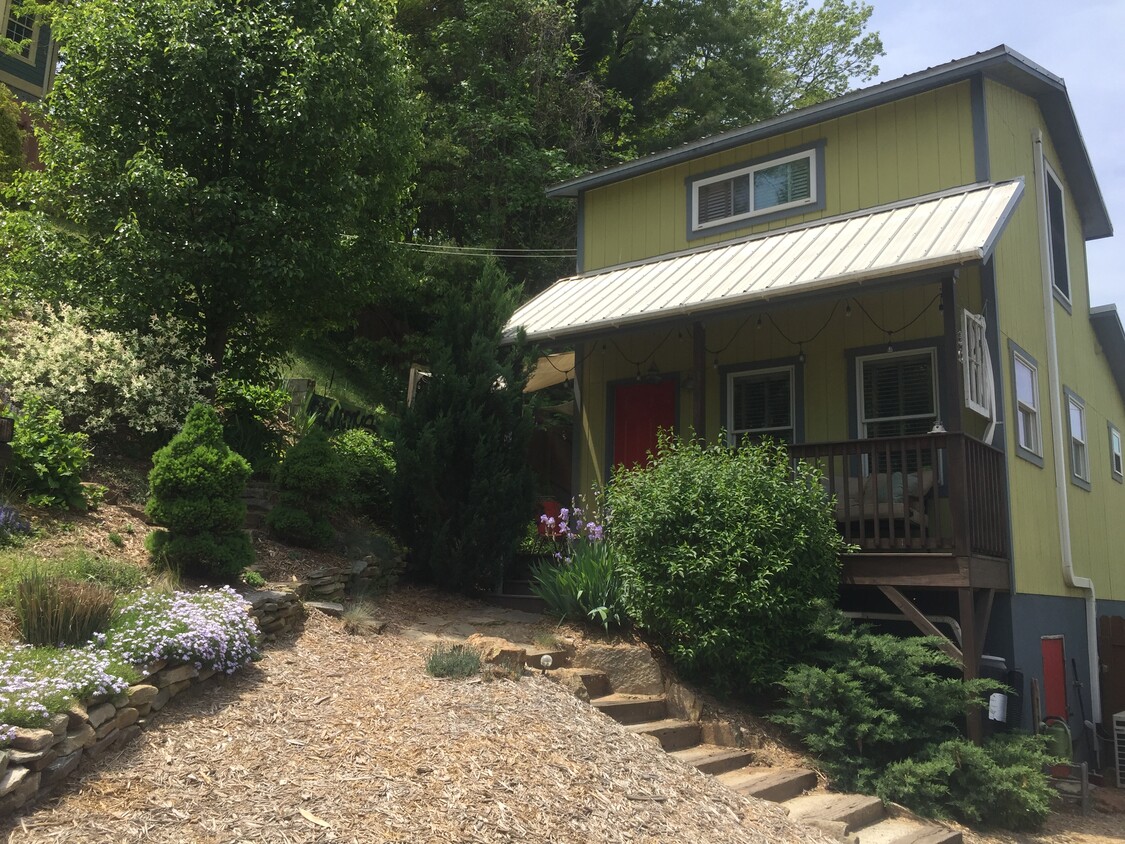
(333, 737)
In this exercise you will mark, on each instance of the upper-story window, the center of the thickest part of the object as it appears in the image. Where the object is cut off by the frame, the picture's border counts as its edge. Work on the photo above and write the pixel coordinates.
(1116, 466)
(1079, 449)
(1056, 228)
(1025, 378)
(21, 28)
(769, 187)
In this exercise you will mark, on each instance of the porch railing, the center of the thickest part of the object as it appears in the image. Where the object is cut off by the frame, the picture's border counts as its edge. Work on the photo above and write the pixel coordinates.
(939, 492)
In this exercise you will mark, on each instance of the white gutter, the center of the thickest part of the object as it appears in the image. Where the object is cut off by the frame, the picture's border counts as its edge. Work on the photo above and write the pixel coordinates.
(1061, 477)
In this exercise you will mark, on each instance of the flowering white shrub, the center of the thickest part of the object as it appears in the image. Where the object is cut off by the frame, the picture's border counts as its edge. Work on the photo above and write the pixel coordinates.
(210, 629)
(104, 381)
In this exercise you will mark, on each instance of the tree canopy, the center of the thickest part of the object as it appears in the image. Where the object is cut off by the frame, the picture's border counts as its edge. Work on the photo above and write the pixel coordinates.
(240, 166)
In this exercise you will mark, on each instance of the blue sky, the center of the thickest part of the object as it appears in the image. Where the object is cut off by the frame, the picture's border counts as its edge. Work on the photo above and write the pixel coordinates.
(1083, 41)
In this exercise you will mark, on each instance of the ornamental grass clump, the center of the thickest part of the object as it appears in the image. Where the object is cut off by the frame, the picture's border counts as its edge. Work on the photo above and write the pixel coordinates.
(56, 611)
(208, 629)
(454, 661)
(196, 488)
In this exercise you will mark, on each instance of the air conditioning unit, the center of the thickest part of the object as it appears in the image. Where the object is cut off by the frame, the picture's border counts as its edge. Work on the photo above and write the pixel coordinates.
(1119, 747)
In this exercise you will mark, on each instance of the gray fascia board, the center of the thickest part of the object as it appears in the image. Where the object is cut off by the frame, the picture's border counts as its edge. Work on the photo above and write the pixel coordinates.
(1001, 63)
(1108, 330)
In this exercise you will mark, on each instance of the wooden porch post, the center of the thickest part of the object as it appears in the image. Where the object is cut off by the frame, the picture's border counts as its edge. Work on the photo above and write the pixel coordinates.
(953, 386)
(699, 376)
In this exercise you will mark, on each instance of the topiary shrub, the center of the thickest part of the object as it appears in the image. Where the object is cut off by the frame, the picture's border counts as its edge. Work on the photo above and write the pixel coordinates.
(368, 469)
(873, 699)
(196, 487)
(47, 461)
(252, 421)
(727, 556)
(1002, 783)
(309, 478)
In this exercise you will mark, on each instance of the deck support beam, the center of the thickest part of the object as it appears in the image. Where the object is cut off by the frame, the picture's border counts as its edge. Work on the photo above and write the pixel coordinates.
(907, 608)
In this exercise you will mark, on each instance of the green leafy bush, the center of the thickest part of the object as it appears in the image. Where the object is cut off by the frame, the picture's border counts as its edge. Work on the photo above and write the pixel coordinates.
(463, 484)
(452, 661)
(196, 488)
(873, 699)
(1000, 784)
(48, 461)
(252, 421)
(104, 382)
(726, 555)
(368, 467)
(55, 611)
(309, 480)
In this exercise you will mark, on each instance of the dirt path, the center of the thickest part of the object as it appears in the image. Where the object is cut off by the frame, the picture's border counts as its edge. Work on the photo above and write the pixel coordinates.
(332, 737)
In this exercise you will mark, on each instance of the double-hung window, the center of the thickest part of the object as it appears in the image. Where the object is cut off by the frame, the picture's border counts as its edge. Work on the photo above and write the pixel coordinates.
(767, 187)
(1079, 446)
(897, 393)
(1025, 375)
(1056, 227)
(761, 403)
(1116, 467)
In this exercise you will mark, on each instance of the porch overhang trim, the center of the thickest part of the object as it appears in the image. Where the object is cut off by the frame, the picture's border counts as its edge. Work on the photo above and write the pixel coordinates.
(928, 234)
(1108, 330)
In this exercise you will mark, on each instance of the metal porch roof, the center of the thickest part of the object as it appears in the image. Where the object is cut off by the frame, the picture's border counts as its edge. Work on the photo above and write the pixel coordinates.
(926, 234)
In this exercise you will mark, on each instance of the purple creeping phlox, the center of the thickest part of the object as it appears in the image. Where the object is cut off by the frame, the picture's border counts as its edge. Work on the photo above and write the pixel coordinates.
(34, 682)
(208, 629)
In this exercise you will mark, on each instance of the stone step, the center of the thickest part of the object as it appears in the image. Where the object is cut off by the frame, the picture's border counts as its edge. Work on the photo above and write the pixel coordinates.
(524, 603)
(713, 758)
(907, 831)
(633, 709)
(534, 660)
(672, 733)
(855, 811)
(775, 784)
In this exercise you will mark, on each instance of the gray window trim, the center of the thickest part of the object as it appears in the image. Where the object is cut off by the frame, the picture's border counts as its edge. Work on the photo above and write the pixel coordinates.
(1114, 473)
(817, 204)
(1075, 478)
(796, 367)
(1016, 351)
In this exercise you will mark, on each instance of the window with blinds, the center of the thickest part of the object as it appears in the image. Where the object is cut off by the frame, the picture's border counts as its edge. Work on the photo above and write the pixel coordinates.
(774, 185)
(760, 404)
(898, 393)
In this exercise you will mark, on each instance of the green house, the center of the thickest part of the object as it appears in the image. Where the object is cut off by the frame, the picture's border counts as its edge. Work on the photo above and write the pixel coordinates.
(894, 283)
(28, 74)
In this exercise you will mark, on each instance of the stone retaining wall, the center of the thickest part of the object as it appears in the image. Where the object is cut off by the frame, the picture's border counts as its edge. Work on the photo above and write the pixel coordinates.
(276, 610)
(38, 759)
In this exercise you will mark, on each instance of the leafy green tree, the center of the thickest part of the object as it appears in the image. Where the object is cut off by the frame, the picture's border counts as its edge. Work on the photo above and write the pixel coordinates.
(11, 139)
(463, 486)
(240, 166)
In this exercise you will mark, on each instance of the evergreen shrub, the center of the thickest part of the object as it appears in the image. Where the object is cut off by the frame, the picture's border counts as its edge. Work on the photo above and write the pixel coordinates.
(309, 479)
(1000, 784)
(196, 487)
(463, 487)
(47, 460)
(727, 556)
(872, 699)
(252, 421)
(368, 467)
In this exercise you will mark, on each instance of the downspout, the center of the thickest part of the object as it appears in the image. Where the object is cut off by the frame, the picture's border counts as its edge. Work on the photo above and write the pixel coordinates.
(1061, 477)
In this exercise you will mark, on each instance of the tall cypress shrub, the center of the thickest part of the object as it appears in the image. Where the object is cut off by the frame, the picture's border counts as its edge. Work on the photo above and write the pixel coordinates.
(196, 488)
(463, 484)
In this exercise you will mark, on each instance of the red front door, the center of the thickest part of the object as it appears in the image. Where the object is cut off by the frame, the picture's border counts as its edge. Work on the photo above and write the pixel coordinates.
(639, 411)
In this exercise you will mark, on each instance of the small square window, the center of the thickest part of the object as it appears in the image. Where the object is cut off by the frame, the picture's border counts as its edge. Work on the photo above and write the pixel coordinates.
(1116, 467)
(761, 404)
(1079, 447)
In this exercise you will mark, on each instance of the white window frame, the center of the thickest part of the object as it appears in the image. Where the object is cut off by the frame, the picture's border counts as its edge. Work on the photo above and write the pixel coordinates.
(33, 47)
(810, 154)
(1035, 449)
(863, 421)
(975, 345)
(1116, 461)
(1049, 175)
(1079, 442)
(734, 437)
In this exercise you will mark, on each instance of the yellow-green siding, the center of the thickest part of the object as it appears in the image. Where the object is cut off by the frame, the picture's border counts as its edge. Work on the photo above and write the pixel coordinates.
(917, 145)
(1097, 517)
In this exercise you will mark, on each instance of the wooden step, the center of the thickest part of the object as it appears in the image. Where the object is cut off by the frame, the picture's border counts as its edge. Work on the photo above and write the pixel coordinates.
(633, 709)
(776, 784)
(907, 831)
(672, 733)
(854, 810)
(713, 758)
